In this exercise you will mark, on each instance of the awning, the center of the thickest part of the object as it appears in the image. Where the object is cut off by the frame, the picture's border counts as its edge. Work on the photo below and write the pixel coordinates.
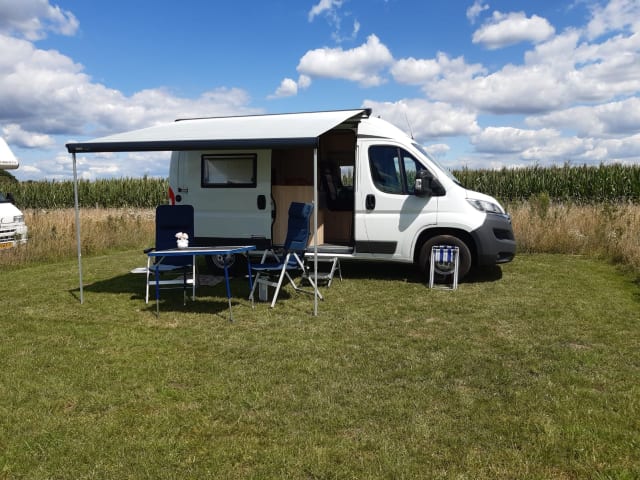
(254, 131)
(7, 159)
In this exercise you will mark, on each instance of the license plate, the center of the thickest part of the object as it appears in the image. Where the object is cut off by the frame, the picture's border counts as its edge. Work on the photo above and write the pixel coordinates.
(6, 245)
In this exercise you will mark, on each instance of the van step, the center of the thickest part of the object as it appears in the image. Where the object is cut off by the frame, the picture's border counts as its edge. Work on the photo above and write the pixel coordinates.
(334, 249)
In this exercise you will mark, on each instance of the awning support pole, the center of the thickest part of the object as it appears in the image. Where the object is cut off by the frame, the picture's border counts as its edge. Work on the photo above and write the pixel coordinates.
(315, 231)
(77, 207)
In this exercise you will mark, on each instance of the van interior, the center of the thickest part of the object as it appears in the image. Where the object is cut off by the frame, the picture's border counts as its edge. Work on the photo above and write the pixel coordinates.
(292, 180)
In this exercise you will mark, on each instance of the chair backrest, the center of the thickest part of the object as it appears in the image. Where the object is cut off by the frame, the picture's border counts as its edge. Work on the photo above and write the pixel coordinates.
(298, 230)
(171, 219)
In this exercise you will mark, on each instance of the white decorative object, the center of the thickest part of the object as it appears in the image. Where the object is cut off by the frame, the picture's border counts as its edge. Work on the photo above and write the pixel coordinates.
(182, 239)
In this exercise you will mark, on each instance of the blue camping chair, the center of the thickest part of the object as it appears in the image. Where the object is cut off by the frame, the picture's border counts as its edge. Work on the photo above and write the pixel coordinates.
(290, 259)
(171, 219)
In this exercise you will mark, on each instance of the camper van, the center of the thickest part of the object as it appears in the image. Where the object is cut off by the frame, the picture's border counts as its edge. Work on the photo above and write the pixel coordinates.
(13, 230)
(379, 195)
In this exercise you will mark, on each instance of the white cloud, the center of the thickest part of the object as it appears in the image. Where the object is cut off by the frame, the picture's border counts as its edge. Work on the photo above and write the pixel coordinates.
(514, 89)
(304, 82)
(437, 150)
(615, 15)
(511, 28)
(330, 10)
(14, 134)
(424, 71)
(424, 119)
(323, 6)
(511, 140)
(32, 19)
(610, 119)
(288, 88)
(415, 72)
(45, 92)
(475, 10)
(362, 64)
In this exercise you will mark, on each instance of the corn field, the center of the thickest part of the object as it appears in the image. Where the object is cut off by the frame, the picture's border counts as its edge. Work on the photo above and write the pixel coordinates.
(582, 185)
(112, 193)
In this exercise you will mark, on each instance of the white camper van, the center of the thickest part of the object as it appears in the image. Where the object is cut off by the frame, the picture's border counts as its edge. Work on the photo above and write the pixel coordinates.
(13, 230)
(380, 196)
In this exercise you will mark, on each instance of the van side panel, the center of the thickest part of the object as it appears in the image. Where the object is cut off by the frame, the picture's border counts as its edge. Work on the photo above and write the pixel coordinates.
(226, 210)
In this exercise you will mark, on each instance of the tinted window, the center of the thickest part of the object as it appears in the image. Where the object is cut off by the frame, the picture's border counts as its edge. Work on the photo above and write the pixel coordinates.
(393, 169)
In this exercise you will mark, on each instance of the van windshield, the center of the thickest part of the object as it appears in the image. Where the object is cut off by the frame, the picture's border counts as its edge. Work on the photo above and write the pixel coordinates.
(441, 167)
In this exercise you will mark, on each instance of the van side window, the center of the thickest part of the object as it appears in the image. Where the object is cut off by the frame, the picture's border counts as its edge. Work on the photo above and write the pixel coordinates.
(229, 170)
(393, 169)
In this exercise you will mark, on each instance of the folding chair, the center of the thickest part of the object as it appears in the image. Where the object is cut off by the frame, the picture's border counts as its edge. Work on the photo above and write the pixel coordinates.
(444, 256)
(290, 259)
(171, 219)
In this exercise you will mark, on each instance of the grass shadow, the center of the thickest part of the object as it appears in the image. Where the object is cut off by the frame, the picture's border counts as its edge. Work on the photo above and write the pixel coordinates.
(210, 299)
(407, 272)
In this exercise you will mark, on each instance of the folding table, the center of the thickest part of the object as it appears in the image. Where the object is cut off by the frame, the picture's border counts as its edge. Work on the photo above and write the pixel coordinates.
(223, 251)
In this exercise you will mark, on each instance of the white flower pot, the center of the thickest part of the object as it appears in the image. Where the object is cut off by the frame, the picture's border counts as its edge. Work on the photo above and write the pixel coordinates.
(183, 243)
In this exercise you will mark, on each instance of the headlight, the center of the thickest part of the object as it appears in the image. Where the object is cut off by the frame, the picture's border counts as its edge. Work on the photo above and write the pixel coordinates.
(484, 206)
(18, 219)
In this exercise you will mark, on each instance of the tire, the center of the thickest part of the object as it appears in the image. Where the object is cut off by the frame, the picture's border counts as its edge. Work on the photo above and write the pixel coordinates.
(236, 264)
(464, 263)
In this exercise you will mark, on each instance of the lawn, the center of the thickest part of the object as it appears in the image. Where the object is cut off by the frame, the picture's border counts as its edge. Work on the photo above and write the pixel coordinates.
(528, 371)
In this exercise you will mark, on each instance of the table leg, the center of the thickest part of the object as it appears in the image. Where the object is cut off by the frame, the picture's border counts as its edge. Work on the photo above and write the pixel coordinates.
(157, 273)
(193, 279)
(226, 280)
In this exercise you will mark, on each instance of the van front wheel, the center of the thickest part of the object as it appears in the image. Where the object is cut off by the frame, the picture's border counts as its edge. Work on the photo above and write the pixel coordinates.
(464, 263)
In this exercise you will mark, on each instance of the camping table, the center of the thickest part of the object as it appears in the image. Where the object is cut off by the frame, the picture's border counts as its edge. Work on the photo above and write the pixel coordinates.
(195, 251)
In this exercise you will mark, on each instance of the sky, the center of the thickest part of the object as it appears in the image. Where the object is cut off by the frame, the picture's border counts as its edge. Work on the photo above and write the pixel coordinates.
(480, 83)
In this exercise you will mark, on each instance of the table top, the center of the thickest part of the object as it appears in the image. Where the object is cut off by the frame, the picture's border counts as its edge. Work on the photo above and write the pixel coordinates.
(217, 250)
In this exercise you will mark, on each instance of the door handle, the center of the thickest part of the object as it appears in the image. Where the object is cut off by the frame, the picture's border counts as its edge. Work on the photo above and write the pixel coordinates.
(370, 202)
(262, 202)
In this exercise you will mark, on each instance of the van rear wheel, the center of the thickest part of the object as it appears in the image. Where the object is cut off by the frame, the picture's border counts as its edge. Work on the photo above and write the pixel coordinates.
(236, 264)
(464, 262)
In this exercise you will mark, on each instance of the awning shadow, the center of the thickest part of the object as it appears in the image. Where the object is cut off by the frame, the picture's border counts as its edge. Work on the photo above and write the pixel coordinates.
(211, 299)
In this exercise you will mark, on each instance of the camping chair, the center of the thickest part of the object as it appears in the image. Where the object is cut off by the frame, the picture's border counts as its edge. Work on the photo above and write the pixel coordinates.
(171, 219)
(290, 259)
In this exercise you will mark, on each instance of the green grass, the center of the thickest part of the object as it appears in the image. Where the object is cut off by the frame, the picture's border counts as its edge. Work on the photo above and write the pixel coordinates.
(527, 372)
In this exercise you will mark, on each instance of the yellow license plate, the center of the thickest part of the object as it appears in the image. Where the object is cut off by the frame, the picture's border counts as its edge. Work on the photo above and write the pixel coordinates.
(5, 245)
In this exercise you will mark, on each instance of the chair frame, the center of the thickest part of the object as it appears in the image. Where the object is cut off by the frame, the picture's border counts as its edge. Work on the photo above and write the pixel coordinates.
(156, 269)
(291, 258)
(444, 254)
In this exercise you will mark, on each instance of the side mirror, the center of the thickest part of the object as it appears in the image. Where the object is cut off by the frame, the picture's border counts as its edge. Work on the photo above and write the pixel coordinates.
(427, 186)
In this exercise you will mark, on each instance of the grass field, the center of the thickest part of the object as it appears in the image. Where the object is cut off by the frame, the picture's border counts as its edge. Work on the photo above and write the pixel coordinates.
(528, 371)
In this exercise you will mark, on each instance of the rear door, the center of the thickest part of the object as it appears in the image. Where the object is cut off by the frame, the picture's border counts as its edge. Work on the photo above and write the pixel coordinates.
(230, 192)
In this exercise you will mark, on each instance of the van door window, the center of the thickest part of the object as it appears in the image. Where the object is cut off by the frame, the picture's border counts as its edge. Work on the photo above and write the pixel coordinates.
(393, 169)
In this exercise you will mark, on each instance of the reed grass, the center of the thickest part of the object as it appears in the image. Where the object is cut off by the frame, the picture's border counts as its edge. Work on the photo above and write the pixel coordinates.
(606, 231)
(52, 233)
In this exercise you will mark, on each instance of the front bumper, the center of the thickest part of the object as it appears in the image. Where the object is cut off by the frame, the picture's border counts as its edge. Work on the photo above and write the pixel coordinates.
(494, 239)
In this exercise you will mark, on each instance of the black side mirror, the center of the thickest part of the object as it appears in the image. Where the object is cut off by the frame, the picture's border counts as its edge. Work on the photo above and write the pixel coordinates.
(427, 186)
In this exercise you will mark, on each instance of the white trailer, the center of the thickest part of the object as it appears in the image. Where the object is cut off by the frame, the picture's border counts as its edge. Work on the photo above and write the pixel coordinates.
(13, 230)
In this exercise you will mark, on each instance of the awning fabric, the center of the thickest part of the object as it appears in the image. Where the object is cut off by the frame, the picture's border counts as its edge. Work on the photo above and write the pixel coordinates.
(255, 131)
(7, 159)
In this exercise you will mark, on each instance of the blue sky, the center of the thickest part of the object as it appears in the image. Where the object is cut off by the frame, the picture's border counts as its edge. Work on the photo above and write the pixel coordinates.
(482, 84)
